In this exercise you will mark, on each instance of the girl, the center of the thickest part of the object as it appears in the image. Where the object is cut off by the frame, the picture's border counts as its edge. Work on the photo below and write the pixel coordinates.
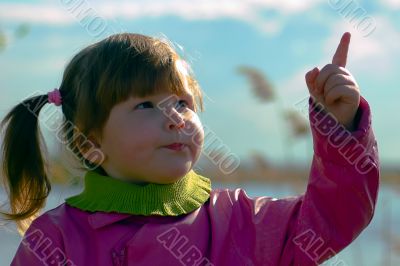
(130, 106)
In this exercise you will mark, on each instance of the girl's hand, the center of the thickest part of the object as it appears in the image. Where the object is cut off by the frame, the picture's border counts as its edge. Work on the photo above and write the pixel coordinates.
(335, 88)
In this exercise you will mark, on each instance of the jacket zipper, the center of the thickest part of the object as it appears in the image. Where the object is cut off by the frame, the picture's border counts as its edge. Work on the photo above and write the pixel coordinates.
(118, 257)
(119, 251)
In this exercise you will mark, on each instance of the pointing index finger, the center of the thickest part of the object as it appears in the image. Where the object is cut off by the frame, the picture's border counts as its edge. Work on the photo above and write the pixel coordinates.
(340, 57)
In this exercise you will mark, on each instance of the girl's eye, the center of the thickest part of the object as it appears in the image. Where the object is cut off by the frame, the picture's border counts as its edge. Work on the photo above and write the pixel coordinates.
(182, 103)
(144, 105)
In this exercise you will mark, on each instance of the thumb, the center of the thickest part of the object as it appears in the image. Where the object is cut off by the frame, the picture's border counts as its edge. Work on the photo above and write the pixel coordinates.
(311, 76)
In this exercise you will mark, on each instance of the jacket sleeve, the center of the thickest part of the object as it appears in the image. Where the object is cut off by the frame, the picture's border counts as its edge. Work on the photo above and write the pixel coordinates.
(41, 245)
(342, 190)
(338, 204)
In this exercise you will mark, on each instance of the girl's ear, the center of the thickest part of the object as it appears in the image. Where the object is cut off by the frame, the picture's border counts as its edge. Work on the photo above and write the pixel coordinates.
(89, 148)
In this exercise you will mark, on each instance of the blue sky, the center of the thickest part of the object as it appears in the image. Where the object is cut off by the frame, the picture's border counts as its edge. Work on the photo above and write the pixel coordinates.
(284, 39)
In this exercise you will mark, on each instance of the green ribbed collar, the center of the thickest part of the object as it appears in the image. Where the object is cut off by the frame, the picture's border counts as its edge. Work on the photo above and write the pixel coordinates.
(103, 193)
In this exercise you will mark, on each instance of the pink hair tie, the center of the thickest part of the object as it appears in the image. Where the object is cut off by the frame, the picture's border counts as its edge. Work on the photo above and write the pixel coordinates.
(54, 97)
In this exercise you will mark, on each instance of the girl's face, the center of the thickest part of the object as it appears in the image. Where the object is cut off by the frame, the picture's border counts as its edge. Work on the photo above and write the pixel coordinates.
(137, 132)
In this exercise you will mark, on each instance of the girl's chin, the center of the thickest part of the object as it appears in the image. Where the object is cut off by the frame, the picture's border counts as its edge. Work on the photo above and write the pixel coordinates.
(175, 175)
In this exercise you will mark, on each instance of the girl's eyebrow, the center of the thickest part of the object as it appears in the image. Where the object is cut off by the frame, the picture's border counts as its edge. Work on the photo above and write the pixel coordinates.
(186, 94)
(156, 97)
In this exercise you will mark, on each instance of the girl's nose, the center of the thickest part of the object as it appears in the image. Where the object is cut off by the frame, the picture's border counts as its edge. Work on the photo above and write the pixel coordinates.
(175, 120)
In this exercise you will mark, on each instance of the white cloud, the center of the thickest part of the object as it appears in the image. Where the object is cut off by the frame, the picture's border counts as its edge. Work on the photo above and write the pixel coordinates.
(34, 13)
(392, 4)
(247, 11)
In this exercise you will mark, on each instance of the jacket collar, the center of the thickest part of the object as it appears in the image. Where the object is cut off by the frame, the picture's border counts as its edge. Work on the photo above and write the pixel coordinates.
(101, 219)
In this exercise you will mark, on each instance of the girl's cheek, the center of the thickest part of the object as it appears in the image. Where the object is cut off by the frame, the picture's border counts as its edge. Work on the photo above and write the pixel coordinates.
(197, 131)
(198, 139)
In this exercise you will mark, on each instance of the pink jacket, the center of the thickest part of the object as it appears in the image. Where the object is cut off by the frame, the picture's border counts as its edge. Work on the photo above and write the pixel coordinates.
(230, 228)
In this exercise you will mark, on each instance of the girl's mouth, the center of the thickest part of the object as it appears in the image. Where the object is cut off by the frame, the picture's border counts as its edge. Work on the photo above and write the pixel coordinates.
(176, 146)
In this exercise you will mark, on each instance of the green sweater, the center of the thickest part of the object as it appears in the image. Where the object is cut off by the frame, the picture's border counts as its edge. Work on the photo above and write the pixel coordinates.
(106, 194)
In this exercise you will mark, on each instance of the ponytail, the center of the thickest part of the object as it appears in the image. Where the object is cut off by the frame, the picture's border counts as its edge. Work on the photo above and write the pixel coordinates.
(24, 174)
